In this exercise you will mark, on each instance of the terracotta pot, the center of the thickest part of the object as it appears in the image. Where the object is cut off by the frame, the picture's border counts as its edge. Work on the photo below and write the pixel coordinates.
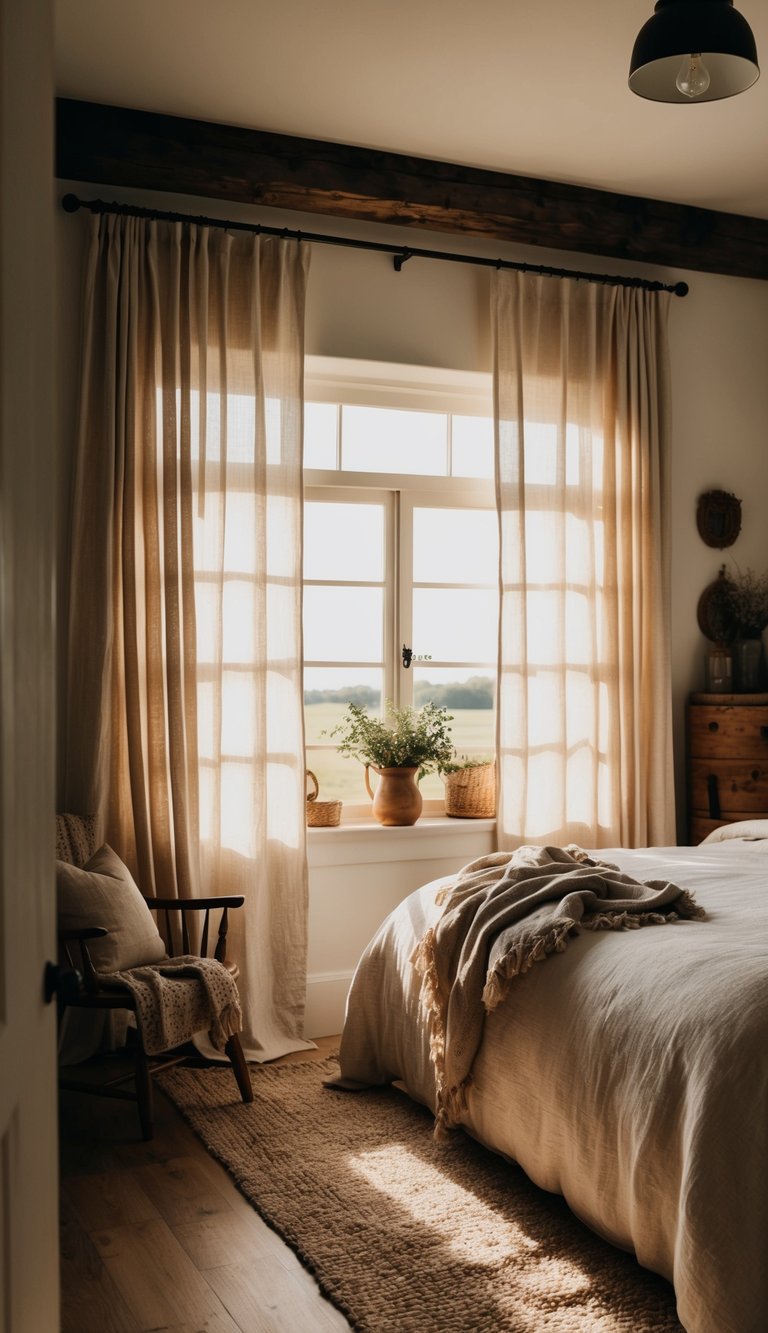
(397, 799)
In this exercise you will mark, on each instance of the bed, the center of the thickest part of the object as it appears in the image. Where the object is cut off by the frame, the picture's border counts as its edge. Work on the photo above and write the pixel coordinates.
(628, 1073)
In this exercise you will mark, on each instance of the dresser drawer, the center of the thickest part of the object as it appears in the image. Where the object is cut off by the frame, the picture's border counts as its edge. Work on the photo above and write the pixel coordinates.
(739, 784)
(723, 732)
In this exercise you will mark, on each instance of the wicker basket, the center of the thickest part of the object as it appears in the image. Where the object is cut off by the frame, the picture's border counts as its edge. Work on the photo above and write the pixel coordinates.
(321, 814)
(470, 793)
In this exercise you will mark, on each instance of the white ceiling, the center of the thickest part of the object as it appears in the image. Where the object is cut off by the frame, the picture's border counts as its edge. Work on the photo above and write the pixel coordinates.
(534, 87)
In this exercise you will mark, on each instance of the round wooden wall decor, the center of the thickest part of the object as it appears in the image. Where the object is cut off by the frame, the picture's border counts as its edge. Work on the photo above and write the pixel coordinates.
(716, 617)
(718, 518)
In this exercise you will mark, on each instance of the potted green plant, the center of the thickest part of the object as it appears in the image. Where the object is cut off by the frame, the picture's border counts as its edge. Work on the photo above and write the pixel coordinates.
(470, 787)
(403, 745)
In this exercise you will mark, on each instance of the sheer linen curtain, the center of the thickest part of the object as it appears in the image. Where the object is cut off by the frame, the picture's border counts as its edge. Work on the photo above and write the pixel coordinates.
(184, 726)
(584, 717)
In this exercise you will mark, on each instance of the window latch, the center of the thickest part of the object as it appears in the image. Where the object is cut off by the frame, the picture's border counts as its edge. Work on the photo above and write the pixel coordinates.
(407, 656)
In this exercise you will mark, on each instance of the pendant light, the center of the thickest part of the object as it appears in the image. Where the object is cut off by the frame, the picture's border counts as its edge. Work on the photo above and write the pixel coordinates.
(693, 51)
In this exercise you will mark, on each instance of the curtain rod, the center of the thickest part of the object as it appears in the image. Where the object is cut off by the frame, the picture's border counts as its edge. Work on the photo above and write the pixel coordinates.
(402, 253)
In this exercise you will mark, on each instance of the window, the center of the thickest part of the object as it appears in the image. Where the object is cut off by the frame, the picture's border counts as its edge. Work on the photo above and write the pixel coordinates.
(400, 550)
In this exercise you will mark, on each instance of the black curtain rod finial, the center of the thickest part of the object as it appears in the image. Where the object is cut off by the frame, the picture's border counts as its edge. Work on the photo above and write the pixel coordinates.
(70, 203)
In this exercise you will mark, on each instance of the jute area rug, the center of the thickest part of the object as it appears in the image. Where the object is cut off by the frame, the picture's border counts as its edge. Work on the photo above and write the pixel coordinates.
(406, 1235)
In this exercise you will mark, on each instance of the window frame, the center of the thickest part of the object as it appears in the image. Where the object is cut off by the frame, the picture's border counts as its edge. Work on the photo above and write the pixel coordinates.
(411, 388)
(400, 502)
(331, 493)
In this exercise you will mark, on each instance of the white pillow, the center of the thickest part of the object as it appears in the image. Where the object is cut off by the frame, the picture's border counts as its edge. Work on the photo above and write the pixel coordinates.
(751, 830)
(104, 893)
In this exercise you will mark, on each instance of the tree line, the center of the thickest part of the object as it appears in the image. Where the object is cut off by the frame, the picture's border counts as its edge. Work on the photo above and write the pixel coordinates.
(475, 692)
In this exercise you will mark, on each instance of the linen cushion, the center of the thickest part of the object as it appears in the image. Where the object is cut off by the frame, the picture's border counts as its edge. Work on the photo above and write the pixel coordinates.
(104, 893)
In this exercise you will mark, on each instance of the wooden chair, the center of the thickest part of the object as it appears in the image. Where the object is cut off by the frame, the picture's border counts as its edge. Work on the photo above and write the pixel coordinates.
(174, 918)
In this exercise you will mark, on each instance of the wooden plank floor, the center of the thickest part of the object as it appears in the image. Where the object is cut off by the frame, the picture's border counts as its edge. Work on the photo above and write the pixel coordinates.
(156, 1237)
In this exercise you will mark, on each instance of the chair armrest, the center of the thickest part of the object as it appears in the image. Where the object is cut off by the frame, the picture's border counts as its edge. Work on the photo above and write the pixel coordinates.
(83, 933)
(80, 936)
(194, 904)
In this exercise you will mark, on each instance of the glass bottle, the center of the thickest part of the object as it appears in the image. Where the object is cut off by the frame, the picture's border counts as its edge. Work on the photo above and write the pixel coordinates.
(749, 665)
(719, 668)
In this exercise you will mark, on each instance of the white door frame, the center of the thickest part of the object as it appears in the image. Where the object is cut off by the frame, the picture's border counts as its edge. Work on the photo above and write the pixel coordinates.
(29, 1275)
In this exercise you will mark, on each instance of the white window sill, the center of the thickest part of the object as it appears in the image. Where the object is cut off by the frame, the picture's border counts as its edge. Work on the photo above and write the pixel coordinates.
(364, 840)
(352, 826)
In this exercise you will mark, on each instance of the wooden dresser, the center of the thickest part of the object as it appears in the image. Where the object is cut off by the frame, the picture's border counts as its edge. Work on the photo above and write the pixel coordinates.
(727, 760)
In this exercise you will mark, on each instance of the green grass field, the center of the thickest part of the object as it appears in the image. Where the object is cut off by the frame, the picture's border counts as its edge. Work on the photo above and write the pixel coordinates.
(342, 779)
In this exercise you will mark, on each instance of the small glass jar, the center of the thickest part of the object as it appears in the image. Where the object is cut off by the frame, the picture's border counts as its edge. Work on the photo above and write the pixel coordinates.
(719, 668)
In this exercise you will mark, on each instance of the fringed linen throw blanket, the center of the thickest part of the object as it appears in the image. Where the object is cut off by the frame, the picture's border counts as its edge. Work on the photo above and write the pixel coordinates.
(503, 913)
(182, 996)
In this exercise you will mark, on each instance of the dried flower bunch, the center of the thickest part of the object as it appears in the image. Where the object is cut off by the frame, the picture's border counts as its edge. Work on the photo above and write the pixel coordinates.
(748, 599)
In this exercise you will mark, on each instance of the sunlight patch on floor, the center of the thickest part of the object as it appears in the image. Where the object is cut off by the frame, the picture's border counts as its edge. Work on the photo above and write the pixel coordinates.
(472, 1230)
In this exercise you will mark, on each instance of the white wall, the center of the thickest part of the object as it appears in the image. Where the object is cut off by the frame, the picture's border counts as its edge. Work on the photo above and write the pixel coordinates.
(357, 875)
(437, 314)
(719, 355)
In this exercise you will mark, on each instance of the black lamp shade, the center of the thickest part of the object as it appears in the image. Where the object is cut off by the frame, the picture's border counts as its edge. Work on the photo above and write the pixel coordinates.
(712, 29)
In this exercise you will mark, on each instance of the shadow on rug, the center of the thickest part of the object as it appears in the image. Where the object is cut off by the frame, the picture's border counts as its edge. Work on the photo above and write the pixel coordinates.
(403, 1234)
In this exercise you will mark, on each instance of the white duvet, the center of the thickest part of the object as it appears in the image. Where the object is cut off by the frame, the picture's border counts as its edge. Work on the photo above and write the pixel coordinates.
(629, 1073)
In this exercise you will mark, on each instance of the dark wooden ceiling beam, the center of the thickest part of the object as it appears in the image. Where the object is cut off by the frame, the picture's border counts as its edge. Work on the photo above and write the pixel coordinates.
(105, 145)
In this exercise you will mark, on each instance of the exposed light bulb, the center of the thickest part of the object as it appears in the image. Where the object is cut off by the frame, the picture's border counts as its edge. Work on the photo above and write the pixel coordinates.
(693, 77)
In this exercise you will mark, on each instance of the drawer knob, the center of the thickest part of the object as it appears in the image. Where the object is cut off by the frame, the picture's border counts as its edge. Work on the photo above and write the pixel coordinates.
(715, 726)
(755, 774)
(764, 733)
